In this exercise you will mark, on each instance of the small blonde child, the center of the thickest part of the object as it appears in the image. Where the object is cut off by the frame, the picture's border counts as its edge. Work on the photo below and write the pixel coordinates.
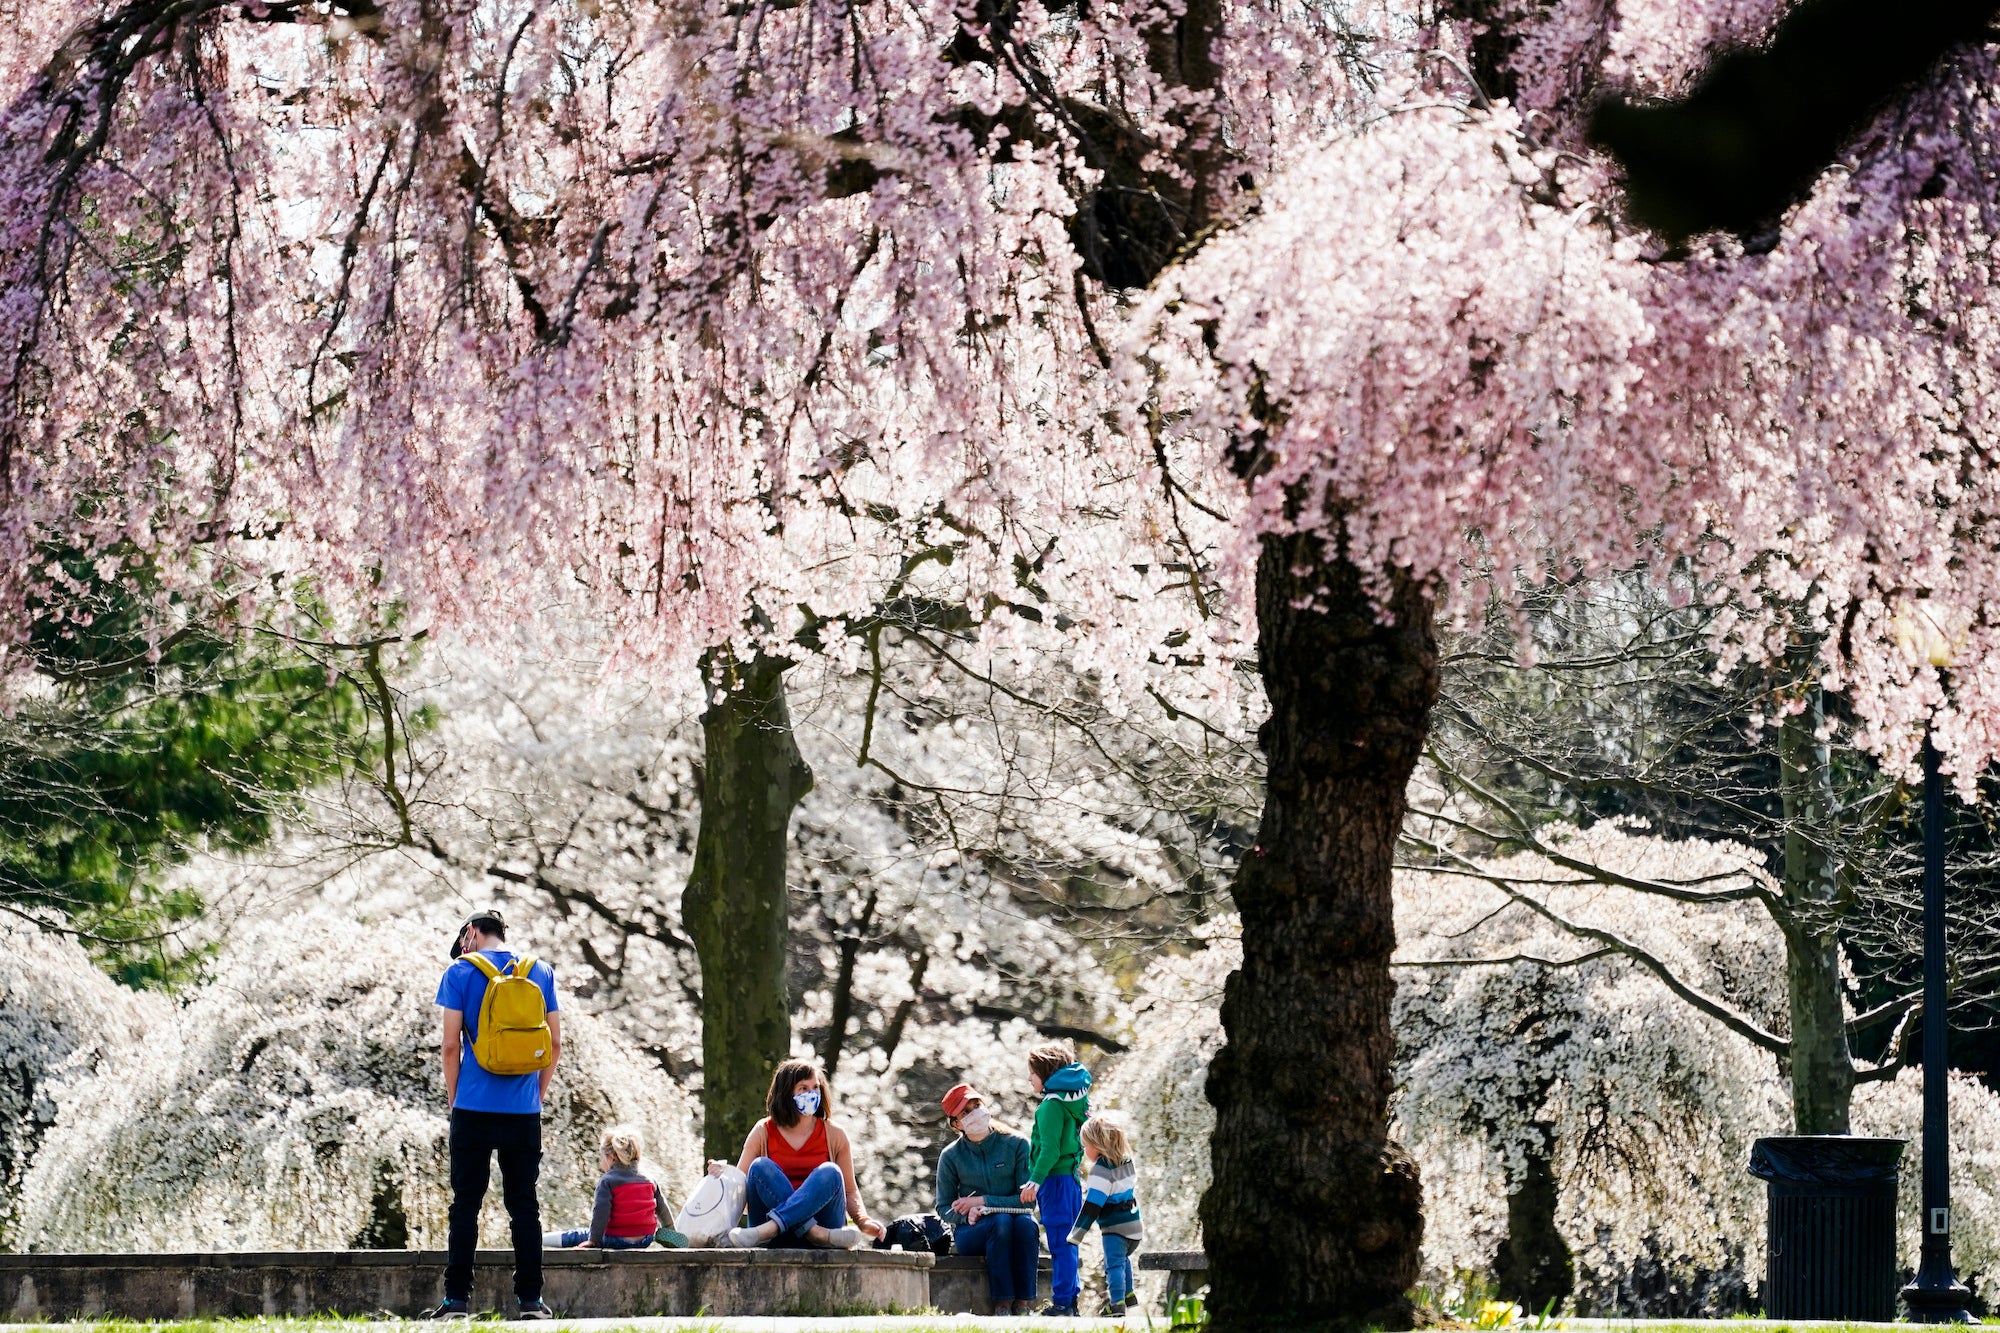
(630, 1212)
(1111, 1201)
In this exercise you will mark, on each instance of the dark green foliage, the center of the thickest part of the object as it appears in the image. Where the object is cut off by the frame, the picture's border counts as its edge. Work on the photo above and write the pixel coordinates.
(151, 741)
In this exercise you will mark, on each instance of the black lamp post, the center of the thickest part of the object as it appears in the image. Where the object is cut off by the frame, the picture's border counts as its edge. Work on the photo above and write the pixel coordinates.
(1937, 1296)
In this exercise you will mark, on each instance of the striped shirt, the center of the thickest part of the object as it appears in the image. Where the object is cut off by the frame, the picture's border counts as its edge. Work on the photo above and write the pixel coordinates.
(1111, 1200)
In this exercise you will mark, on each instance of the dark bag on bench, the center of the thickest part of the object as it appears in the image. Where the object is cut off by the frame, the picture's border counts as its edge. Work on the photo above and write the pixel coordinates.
(918, 1231)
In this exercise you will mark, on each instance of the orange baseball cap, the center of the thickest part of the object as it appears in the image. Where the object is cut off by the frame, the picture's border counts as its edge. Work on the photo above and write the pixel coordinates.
(955, 1100)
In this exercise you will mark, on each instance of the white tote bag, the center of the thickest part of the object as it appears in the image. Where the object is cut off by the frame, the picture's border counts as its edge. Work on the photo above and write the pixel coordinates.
(715, 1206)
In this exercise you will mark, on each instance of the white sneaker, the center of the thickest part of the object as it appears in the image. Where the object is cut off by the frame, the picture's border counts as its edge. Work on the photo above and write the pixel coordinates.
(740, 1238)
(843, 1238)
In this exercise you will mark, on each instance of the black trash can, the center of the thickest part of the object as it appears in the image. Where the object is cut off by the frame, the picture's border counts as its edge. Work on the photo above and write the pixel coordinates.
(1830, 1240)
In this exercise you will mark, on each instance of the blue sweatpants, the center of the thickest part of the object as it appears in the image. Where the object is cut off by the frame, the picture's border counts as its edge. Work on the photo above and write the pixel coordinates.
(1060, 1200)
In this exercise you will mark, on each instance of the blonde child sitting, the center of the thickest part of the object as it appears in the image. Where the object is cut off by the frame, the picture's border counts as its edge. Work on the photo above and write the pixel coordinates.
(1111, 1200)
(629, 1212)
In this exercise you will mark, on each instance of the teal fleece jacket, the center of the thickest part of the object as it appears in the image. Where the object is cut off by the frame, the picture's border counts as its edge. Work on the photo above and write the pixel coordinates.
(1057, 1146)
(994, 1168)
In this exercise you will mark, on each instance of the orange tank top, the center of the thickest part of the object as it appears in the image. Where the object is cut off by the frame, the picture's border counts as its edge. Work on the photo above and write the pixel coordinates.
(797, 1163)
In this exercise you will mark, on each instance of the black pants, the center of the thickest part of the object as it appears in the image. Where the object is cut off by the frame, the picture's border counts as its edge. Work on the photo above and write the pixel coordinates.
(475, 1137)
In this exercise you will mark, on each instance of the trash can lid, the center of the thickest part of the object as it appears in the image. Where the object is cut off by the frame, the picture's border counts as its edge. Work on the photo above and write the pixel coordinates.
(1825, 1159)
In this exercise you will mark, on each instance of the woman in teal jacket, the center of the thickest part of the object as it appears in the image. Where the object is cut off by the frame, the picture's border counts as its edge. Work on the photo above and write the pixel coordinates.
(980, 1175)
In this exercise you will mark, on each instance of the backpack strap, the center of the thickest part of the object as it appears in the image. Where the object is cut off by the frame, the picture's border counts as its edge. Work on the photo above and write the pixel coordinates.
(483, 963)
(523, 966)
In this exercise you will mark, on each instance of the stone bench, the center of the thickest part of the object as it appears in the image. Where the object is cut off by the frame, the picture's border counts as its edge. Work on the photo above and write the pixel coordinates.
(1186, 1270)
(584, 1284)
(958, 1284)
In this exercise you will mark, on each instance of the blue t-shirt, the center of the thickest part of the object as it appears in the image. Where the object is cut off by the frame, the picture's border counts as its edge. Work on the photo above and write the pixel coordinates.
(463, 988)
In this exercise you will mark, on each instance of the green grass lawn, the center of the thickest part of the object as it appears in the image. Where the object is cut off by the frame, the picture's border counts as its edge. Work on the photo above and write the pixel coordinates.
(909, 1323)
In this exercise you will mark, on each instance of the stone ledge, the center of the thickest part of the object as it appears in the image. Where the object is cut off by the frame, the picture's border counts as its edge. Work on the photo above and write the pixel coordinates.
(585, 1284)
(571, 1258)
(958, 1284)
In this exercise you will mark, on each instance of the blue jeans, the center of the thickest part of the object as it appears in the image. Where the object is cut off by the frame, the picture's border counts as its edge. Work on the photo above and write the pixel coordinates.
(1013, 1251)
(822, 1199)
(1117, 1266)
(1061, 1199)
(578, 1235)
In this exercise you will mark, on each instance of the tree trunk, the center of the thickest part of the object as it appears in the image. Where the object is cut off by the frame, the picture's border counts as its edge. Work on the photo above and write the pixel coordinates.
(735, 908)
(1534, 1267)
(1314, 1218)
(1821, 1066)
(851, 941)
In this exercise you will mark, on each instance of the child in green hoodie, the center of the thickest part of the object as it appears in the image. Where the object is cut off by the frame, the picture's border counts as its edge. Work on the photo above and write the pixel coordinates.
(1055, 1150)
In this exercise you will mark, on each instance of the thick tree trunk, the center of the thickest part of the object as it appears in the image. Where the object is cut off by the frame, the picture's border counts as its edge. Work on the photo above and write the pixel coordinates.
(1821, 1066)
(735, 909)
(1314, 1218)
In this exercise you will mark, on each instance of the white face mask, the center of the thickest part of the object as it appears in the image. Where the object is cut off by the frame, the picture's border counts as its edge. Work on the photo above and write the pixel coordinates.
(976, 1123)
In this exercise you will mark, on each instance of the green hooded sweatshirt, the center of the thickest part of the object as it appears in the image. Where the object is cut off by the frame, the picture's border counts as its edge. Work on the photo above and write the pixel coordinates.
(1056, 1146)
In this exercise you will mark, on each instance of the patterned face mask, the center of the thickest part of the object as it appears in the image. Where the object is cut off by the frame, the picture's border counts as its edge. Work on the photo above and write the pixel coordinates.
(807, 1102)
(976, 1123)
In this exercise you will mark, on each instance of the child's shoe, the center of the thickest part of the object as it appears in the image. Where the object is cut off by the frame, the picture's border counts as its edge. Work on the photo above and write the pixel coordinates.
(1114, 1309)
(1060, 1311)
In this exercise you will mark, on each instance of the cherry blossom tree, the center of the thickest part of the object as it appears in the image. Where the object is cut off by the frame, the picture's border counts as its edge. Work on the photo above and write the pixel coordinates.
(59, 1016)
(1539, 1072)
(924, 943)
(1623, 716)
(714, 314)
(296, 1101)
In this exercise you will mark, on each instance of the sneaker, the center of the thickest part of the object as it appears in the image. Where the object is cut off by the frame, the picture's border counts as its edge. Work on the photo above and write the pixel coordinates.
(448, 1309)
(739, 1238)
(1114, 1309)
(1060, 1311)
(672, 1239)
(843, 1238)
(535, 1310)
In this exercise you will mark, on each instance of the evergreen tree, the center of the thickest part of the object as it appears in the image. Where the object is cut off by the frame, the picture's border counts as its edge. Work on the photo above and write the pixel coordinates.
(155, 728)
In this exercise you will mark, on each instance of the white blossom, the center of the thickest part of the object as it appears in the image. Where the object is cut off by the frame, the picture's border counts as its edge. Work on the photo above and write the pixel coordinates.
(59, 1015)
(299, 1097)
(1653, 1106)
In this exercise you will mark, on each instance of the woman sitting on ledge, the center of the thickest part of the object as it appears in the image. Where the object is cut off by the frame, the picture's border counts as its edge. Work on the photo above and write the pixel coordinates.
(979, 1180)
(800, 1167)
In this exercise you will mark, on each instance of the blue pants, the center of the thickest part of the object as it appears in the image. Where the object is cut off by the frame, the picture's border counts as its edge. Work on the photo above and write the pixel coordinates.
(1117, 1266)
(1061, 1199)
(822, 1199)
(578, 1235)
(1013, 1250)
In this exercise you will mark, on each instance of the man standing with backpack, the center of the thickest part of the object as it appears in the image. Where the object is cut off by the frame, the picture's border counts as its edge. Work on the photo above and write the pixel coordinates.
(502, 1036)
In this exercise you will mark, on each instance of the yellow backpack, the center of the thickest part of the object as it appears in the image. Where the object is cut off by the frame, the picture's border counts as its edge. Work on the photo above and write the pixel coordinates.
(514, 1033)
